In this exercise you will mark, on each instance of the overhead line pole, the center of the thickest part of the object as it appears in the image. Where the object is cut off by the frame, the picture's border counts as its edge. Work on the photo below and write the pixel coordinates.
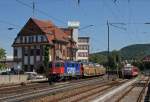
(33, 8)
(108, 48)
(108, 41)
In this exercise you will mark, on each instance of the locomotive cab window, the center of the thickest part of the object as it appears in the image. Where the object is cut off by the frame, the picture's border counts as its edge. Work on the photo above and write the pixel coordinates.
(71, 65)
(59, 64)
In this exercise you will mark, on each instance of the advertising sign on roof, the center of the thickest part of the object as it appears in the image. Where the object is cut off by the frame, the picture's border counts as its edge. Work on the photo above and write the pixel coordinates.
(73, 23)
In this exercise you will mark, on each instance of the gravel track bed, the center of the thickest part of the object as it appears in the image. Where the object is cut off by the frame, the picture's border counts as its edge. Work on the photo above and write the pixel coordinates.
(131, 93)
(76, 93)
(12, 90)
(22, 89)
(42, 92)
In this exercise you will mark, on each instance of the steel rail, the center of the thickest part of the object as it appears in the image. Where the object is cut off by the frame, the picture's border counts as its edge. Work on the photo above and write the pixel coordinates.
(129, 90)
(41, 92)
(12, 89)
(109, 86)
(143, 90)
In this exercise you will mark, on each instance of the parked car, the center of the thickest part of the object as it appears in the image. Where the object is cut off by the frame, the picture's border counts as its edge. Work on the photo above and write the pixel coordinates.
(33, 75)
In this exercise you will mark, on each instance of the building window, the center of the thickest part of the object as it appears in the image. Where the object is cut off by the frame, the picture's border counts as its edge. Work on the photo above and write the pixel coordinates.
(83, 40)
(26, 51)
(39, 38)
(15, 52)
(32, 52)
(36, 38)
(25, 67)
(31, 39)
(37, 51)
(83, 54)
(31, 67)
(83, 47)
(25, 39)
(42, 38)
(21, 39)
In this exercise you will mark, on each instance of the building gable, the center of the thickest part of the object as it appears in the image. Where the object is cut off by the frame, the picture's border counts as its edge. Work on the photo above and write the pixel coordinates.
(30, 28)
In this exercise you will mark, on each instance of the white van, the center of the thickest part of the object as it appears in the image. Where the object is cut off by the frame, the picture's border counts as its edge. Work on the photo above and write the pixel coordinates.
(33, 75)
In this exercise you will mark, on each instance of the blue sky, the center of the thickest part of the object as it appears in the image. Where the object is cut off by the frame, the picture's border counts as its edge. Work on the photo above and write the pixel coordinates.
(96, 12)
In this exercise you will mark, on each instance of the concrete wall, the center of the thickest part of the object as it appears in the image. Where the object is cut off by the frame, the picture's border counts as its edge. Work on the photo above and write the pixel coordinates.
(9, 79)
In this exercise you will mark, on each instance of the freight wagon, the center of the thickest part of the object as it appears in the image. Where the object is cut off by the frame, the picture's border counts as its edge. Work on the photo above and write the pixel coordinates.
(93, 70)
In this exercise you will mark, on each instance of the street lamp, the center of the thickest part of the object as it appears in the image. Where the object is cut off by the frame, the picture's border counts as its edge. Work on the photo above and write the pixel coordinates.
(85, 27)
(147, 23)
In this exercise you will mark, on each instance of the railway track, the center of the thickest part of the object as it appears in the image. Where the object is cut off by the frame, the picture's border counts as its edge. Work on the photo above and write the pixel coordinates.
(18, 86)
(87, 94)
(25, 95)
(80, 93)
(134, 92)
(30, 86)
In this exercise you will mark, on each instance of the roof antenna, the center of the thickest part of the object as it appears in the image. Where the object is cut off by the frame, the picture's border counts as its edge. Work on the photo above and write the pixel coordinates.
(33, 8)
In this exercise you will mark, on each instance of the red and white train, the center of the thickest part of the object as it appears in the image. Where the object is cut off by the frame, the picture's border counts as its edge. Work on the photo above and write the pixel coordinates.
(130, 71)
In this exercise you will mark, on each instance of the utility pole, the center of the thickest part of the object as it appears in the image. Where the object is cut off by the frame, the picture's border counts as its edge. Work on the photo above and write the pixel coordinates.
(33, 8)
(108, 41)
(108, 48)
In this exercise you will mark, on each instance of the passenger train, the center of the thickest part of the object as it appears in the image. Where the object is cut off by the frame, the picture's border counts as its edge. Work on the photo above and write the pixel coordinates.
(130, 71)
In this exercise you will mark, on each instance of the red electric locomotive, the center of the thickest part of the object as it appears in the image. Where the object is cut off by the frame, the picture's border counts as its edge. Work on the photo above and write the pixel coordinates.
(130, 71)
(64, 69)
(56, 70)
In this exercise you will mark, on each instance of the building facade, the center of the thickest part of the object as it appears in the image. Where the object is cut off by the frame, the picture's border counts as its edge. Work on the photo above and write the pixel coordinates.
(30, 43)
(83, 49)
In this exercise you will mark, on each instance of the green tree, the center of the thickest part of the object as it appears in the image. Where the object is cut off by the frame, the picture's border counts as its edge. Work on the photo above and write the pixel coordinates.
(2, 56)
(46, 59)
(2, 53)
(114, 62)
(98, 58)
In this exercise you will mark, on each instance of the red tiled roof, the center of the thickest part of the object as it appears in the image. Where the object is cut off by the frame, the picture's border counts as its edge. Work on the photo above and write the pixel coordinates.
(67, 31)
(52, 32)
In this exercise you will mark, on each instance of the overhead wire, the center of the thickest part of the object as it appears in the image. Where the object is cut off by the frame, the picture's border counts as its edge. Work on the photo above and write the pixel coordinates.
(40, 11)
(109, 9)
(8, 23)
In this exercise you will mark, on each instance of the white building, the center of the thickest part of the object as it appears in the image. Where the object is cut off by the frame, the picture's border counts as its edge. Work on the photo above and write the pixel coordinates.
(75, 33)
(83, 49)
